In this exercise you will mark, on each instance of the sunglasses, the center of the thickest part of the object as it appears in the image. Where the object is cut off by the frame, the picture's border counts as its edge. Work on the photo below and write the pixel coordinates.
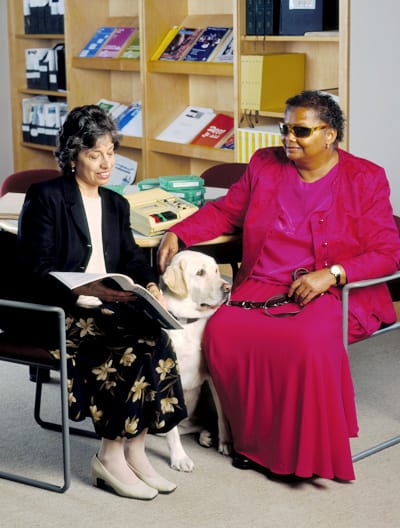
(299, 131)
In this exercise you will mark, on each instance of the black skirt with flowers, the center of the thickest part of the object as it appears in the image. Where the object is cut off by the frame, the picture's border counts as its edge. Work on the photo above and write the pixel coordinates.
(122, 372)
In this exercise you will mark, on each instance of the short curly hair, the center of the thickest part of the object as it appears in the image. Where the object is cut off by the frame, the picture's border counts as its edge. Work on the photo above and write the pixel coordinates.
(325, 105)
(83, 126)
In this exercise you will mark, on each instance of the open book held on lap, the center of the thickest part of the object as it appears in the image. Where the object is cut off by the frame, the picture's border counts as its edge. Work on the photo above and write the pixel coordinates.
(146, 300)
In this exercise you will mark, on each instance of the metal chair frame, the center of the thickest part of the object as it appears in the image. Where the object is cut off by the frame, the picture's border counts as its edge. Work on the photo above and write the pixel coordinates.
(345, 324)
(60, 366)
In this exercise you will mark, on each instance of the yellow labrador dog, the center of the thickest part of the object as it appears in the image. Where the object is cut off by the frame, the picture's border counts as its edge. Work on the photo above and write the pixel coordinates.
(194, 289)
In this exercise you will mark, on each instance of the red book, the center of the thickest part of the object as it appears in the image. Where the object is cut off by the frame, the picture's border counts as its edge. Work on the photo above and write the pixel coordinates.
(215, 131)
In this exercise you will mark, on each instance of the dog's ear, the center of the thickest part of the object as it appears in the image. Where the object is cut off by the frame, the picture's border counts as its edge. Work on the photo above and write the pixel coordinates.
(174, 279)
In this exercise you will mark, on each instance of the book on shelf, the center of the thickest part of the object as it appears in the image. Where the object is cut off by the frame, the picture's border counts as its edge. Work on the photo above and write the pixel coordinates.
(114, 108)
(96, 41)
(132, 48)
(228, 143)
(297, 17)
(181, 44)
(130, 121)
(112, 48)
(206, 43)
(166, 40)
(185, 127)
(145, 300)
(224, 52)
(215, 131)
(262, 17)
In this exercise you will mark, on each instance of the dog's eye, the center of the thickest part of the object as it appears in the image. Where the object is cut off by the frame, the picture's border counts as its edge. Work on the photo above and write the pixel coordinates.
(201, 272)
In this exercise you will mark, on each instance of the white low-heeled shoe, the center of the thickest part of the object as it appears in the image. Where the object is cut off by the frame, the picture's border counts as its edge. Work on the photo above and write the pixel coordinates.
(102, 478)
(161, 484)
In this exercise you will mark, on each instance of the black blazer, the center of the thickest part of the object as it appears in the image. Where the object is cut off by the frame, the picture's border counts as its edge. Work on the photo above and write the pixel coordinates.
(53, 235)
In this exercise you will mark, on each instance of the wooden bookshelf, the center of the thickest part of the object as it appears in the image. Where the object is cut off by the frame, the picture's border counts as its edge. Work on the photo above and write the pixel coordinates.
(165, 88)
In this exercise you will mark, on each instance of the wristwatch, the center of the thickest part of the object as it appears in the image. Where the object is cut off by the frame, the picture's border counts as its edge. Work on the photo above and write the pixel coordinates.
(336, 272)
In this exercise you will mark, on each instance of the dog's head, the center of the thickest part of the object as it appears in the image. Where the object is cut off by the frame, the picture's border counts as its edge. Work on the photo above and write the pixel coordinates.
(193, 286)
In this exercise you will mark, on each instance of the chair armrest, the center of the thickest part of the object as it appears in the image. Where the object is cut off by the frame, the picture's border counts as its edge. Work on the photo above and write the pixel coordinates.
(345, 298)
(54, 311)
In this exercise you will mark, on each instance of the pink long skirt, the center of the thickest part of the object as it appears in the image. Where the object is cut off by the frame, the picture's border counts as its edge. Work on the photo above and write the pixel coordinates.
(285, 384)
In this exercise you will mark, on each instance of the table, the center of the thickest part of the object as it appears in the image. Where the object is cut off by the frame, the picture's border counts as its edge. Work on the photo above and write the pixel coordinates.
(226, 249)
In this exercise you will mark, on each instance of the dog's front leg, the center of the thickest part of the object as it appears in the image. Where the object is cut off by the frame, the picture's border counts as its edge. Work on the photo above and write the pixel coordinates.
(179, 460)
(224, 433)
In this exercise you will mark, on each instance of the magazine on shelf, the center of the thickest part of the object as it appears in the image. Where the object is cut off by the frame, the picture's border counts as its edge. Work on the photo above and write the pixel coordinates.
(181, 44)
(224, 52)
(97, 40)
(215, 131)
(207, 43)
(146, 301)
(112, 48)
(187, 125)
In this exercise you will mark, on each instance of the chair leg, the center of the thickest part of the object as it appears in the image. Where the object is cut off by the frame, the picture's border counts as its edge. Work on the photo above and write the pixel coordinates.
(375, 449)
(51, 425)
(64, 428)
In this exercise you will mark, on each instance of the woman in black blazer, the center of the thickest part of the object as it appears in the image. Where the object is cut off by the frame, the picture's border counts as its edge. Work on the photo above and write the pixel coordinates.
(122, 369)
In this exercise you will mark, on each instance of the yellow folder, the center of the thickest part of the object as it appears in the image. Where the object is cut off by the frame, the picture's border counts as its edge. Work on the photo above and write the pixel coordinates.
(268, 80)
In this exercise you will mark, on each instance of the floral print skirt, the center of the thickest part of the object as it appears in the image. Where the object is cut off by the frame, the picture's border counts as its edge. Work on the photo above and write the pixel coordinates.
(122, 372)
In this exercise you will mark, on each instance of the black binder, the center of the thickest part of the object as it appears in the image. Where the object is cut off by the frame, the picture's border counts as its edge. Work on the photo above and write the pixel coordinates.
(324, 16)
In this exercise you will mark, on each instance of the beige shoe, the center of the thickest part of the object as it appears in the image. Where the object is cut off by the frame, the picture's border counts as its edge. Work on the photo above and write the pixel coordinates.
(102, 478)
(161, 484)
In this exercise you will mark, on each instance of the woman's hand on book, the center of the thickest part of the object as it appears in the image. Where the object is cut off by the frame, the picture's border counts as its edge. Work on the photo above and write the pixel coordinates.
(103, 292)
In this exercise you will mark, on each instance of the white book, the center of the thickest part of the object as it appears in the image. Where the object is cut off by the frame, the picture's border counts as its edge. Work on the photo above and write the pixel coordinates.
(114, 108)
(187, 125)
(146, 301)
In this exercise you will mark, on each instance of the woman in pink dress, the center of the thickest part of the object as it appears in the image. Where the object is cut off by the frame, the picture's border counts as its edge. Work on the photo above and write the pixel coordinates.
(313, 217)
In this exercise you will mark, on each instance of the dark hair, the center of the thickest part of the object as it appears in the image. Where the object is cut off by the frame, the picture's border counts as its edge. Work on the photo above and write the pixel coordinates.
(83, 126)
(326, 107)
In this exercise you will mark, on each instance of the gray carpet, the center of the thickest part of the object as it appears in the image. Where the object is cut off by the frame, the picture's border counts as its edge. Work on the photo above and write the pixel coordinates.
(215, 495)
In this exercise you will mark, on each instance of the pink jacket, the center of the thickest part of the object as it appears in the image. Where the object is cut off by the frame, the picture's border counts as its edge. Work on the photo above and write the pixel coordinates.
(357, 231)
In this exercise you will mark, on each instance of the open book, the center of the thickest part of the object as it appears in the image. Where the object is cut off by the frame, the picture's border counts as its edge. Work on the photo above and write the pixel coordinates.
(148, 303)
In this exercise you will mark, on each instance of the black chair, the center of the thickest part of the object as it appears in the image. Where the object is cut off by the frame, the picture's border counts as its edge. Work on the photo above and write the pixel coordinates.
(23, 348)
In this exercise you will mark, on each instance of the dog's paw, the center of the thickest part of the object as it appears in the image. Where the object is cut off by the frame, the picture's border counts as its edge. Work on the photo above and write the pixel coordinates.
(205, 438)
(182, 464)
(225, 448)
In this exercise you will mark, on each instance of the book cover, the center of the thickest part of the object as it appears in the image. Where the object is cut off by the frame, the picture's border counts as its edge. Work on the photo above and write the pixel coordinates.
(215, 131)
(130, 122)
(114, 45)
(113, 108)
(206, 43)
(224, 52)
(132, 48)
(165, 42)
(250, 17)
(147, 302)
(98, 39)
(187, 125)
(228, 143)
(298, 16)
(181, 44)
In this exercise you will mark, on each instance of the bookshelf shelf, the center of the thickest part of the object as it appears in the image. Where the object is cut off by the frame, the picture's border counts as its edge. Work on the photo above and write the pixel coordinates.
(51, 93)
(192, 151)
(191, 68)
(88, 63)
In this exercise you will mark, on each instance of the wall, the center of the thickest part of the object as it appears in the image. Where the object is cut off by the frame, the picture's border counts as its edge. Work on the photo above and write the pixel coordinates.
(6, 149)
(374, 108)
